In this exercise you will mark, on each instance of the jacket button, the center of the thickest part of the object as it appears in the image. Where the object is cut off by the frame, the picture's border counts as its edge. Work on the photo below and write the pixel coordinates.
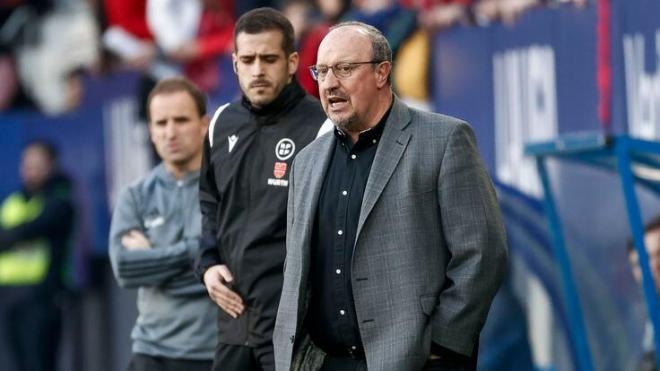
(292, 338)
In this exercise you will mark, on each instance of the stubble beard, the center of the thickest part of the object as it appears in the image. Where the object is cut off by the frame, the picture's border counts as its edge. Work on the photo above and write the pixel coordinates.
(350, 124)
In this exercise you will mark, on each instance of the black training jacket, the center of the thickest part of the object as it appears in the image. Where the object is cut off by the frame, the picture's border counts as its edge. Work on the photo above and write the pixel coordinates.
(243, 195)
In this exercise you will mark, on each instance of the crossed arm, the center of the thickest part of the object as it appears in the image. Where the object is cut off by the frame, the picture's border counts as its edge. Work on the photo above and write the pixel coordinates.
(136, 262)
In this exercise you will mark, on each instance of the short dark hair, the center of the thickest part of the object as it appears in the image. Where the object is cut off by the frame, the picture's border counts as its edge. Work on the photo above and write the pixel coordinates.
(46, 146)
(649, 227)
(266, 19)
(176, 84)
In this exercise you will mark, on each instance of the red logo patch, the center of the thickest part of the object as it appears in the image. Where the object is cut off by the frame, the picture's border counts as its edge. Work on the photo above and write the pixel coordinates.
(280, 169)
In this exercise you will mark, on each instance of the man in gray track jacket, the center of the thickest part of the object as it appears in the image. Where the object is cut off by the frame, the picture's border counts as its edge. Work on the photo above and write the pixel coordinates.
(155, 235)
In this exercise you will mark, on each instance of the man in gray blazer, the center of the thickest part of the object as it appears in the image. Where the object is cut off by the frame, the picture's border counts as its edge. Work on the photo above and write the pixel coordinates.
(395, 245)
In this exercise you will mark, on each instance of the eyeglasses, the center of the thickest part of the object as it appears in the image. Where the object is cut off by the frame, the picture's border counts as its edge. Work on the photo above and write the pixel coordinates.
(341, 70)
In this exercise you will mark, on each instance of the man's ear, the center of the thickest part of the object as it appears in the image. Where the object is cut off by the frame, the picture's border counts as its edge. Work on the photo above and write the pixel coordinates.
(150, 127)
(205, 123)
(383, 72)
(234, 62)
(293, 63)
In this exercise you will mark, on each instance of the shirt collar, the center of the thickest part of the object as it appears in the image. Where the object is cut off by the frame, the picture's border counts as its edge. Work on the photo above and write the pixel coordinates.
(371, 135)
(169, 178)
(288, 98)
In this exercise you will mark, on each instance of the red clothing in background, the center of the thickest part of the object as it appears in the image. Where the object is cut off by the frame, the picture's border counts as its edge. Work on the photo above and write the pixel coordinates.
(129, 15)
(309, 46)
(428, 4)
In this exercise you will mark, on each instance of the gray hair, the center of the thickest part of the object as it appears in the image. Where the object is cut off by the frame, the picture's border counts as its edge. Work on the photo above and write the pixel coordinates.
(381, 50)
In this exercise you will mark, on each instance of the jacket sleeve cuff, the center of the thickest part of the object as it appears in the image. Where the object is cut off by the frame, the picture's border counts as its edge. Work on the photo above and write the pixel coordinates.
(206, 259)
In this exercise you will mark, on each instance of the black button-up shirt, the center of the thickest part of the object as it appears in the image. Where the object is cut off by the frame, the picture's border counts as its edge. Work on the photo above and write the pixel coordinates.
(331, 319)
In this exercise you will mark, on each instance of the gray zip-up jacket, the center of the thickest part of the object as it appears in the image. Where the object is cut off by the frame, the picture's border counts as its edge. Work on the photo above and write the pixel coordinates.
(174, 309)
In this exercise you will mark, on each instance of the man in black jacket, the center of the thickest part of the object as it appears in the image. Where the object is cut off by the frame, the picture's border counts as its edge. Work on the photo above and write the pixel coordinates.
(244, 184)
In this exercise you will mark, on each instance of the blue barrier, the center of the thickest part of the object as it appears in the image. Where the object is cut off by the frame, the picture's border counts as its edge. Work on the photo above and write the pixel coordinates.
(536, 81)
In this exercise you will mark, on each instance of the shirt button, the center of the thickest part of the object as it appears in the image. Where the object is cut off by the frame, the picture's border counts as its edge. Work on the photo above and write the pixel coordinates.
(344, 193)
(338, 271)
(340, 232)
(375, 141)
(353, 157)
(353, 347)
(342, 312)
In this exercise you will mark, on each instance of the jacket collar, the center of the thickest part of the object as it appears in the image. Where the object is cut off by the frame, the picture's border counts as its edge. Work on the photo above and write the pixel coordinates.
(285, 102)
(393, 143)
(169, 179)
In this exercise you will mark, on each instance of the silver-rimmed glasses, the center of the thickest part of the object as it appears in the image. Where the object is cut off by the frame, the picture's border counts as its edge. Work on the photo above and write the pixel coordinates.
(342, 70)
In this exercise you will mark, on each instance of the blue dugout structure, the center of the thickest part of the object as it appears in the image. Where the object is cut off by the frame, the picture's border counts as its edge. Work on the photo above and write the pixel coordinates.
(637, 162)
(536, 82)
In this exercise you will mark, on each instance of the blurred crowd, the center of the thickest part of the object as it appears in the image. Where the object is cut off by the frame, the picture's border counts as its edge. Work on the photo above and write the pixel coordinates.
(48, 47)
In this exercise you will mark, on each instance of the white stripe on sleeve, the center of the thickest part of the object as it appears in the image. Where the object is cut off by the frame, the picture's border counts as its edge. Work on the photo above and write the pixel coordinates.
(213, 121)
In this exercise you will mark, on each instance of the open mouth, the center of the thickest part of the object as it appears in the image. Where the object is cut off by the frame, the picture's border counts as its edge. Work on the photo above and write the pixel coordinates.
(337, 102)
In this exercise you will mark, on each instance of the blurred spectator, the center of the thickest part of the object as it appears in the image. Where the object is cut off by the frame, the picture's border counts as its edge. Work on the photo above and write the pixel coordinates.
(49, 45)
(411, 68)
(36, 225)
(486, 11)
(508, 11)
(395, 21)
(298, 13)
(204, 30)
(511, 10)
(9, 86)
(309, 39)
(18, 17)
(128, 37)
(652, 245)
(411, 77)
(173, 23)
(244, 6)
(436, 15)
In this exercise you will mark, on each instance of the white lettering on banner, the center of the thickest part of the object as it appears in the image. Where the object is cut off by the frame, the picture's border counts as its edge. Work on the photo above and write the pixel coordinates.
(525, 111)
(642, 88)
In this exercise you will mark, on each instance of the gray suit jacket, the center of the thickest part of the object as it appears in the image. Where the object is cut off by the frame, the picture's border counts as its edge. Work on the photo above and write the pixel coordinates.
(430, 251)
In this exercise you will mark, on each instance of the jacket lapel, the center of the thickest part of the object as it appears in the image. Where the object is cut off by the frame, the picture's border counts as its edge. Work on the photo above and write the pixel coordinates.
(393, 143)
(319, 161)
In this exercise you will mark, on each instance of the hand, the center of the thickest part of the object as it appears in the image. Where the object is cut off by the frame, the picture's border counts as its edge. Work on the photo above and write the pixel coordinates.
(511, 10)
(215, 280)
(135, 240)
(486, 11)
(441, 17)
(185, 53)
(143, 58)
